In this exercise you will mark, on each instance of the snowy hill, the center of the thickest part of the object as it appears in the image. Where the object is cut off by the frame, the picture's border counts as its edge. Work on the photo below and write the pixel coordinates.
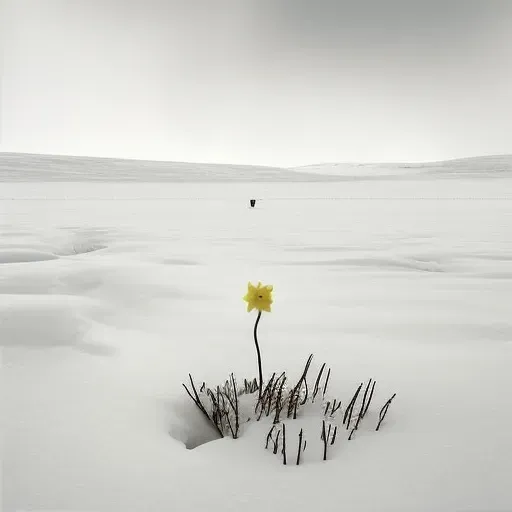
(21, 167)
(482, 166)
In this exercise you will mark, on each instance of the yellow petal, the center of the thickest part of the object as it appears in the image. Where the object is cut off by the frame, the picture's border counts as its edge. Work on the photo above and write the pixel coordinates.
(258, 297)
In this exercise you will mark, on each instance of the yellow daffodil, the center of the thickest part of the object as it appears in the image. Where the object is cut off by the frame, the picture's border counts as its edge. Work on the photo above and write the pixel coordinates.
(259, 297)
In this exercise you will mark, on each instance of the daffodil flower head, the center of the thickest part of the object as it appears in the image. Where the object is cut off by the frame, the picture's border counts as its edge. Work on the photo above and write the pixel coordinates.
(259, 297)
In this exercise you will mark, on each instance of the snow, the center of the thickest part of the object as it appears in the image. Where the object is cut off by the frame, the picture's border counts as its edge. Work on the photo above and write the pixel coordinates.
(486, 167)
(23, 255)
(111, 293)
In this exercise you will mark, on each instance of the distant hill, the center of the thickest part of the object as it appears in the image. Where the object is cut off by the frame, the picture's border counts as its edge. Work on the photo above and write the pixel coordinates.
(488, 166)
(23, 167)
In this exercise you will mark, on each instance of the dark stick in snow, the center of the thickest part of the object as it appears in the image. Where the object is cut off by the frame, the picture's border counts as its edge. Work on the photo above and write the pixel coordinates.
(383, 411)
(315, 390)
(284, 444)
(300, 447)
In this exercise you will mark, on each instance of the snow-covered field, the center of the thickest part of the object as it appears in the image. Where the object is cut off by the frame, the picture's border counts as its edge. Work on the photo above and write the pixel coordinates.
(111, 293)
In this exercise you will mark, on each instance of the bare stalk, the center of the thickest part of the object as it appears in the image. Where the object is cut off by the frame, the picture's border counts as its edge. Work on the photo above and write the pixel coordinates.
(348, 412)
(269, 436)
(300, 447)
(315, 390)
(363, 405)
(326, 382)
(200, 405)
(384, 411)
(324, 439)
(284, 444)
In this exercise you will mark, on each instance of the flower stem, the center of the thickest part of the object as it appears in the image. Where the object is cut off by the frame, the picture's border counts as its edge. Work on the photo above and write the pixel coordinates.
(260, 390)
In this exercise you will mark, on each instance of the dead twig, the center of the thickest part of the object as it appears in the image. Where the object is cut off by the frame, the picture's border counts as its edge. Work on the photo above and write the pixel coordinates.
(317, 382)
(284, 444)
(384, 411)
(348, 412)
(326, 382)
(197, 400)
(269, 436)
(300, 449)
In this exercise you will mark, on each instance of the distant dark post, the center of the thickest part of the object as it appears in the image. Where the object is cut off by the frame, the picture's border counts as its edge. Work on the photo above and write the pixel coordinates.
(253, 202)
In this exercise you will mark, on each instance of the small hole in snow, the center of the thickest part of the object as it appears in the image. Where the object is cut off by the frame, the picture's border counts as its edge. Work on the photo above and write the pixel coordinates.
(195, 439)
(196, 433)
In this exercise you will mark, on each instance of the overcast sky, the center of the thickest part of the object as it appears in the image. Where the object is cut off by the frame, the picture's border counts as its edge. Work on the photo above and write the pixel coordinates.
(277, 82)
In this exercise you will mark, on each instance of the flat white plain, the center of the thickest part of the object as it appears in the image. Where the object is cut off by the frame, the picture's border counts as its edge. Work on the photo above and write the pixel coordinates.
(111, 293)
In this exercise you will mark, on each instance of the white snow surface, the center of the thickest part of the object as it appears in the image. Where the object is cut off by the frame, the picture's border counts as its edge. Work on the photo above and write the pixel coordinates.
(111, 293)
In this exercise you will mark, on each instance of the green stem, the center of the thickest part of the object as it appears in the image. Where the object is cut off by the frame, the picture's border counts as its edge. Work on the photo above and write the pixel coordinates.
(259, 355)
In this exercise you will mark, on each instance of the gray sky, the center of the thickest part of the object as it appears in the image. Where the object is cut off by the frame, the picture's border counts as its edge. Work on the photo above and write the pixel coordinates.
(277, 82)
